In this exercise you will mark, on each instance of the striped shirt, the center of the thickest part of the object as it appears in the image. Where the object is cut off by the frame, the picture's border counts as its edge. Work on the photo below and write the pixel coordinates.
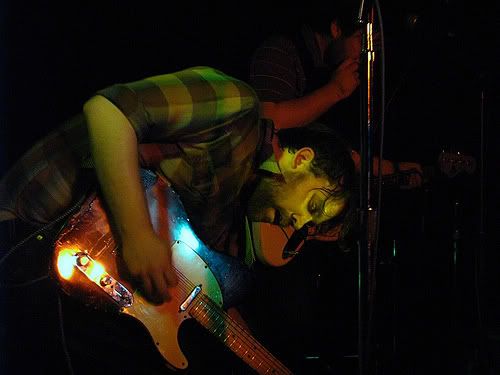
(199, 127)
(277, 72)
(290, 66)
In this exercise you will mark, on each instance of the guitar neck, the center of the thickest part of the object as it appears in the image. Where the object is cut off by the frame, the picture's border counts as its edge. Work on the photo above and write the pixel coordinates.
(401, 178)
(393, 180)
(235, 337)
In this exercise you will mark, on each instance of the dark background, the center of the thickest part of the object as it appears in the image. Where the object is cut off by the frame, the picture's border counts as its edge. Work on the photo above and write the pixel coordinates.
(55, 56)
(441, 94)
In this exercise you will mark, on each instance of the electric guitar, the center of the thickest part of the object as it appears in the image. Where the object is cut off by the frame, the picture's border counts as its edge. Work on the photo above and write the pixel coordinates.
(87, 266)
(276, 246)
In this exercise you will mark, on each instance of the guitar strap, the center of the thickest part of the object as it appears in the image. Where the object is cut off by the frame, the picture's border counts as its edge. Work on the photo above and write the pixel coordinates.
(38, 240)
(33, 246)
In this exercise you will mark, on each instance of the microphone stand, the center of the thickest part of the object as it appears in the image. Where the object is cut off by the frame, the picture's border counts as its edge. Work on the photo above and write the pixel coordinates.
(367, 213)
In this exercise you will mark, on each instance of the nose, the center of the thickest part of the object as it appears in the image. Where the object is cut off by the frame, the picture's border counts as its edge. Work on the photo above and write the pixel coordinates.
(298, 221)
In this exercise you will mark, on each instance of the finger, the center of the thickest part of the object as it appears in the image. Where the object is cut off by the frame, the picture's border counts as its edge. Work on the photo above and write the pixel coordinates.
(419, 180)
(169, 283)
(171, 277)
(416, 180)
(353, 66)
(346, 63)
(147, 288)
(161, 288)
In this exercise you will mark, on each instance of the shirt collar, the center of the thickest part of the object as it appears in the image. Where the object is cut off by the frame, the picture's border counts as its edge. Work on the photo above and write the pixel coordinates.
(271, 151)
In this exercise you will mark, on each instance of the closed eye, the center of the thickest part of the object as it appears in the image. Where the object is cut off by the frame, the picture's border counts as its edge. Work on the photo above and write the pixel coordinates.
(314, 206)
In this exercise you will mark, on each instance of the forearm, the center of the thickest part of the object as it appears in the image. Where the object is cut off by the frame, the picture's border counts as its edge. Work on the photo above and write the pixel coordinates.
(114, 151)
(387, 165)
(301, 111)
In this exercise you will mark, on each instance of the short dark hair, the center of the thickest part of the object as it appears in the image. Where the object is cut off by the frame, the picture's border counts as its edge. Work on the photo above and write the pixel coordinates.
(333, 160)
(320, 14)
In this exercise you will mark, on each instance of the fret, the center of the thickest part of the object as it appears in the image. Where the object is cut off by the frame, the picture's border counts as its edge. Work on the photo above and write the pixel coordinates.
(235, 337)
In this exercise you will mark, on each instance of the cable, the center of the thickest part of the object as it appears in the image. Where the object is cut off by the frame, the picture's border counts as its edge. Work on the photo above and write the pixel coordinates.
(67, 356)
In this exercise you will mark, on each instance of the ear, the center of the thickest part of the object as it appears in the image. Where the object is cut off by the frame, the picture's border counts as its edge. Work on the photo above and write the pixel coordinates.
(302, 157)
(335, 30)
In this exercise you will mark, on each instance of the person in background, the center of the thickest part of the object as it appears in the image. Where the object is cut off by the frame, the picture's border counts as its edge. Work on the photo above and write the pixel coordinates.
(311, 73)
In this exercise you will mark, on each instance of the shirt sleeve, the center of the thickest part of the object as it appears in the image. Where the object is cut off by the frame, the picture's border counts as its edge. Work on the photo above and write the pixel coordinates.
(274, 70)
(184, 105)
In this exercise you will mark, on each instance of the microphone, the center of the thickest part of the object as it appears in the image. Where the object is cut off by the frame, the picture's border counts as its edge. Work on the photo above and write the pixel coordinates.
(295, 243)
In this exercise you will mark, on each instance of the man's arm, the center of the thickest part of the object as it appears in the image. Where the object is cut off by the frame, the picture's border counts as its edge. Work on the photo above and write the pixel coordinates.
(301, 111)
(195, 104)
(114, 150)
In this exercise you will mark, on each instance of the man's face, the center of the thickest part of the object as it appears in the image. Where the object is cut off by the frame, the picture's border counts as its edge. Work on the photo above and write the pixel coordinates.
(352, 45)
(342, 48)
(298, 199)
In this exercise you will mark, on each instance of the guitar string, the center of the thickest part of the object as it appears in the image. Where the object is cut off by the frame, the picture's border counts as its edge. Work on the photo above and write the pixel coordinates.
(249, 341)
(246, 338)
(260, 351)
(186, 286)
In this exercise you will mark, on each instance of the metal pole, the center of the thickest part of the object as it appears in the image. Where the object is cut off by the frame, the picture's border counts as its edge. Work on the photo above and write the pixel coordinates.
(367, 212)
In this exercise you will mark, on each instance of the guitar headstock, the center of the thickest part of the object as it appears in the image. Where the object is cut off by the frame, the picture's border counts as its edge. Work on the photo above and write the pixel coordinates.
(453, 163)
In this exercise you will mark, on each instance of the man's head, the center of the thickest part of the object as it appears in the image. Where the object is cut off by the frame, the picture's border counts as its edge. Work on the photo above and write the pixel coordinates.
(336, 23)
(316, 171)
(320, 14)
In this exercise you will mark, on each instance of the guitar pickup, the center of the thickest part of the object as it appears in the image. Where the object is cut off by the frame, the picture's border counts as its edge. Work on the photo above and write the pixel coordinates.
(190, 298)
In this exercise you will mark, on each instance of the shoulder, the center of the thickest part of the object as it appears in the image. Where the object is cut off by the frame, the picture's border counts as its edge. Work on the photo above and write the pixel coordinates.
(201, 84)
(279, 44)
(196, 77)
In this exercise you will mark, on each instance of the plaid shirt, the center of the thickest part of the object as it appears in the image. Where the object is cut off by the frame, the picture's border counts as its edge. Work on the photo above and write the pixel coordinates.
(199, 127)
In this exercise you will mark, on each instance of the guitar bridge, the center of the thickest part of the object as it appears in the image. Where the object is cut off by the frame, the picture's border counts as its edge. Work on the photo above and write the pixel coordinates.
(95, 272)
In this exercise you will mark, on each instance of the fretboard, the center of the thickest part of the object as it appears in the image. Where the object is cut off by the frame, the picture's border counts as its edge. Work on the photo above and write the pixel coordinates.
(235, 337)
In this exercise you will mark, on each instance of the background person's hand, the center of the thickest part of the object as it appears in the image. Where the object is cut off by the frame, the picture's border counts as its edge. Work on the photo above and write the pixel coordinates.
(346, 77)
(416, 174)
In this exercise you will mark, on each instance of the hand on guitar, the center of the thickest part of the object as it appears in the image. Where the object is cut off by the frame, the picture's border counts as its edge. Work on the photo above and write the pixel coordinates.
(149, 261)
(415, 178)
(413, 170)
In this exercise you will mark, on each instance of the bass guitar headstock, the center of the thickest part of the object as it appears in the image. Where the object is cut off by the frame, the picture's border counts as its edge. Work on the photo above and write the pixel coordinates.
(454, 163)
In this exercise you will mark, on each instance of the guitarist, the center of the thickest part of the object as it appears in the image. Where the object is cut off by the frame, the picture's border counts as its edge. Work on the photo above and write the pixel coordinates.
(200, 129)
